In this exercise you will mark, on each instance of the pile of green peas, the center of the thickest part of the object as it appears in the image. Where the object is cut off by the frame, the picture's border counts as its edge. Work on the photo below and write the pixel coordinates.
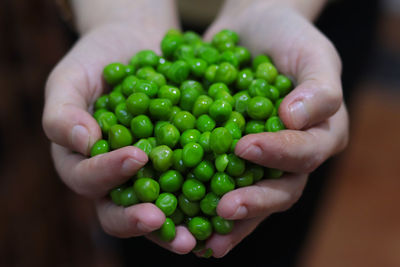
(186, 110)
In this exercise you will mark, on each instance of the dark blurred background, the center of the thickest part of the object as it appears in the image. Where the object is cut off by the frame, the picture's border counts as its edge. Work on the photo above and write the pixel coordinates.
(356, 220)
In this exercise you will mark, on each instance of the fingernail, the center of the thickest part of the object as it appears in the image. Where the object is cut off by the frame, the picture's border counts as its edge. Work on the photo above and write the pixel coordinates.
(129, 166)
(240, 213)
(252, 152)
(80, 138)
(143, 227)
(299, 114)
(227, 251)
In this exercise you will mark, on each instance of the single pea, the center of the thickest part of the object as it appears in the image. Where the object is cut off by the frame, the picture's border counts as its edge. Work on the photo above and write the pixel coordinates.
(144, 145)
(259, 59)
(167, 232)
(221, 183)
(100, 147)
(197, 66)
(211, 70)
(267, 71)
(101, 102)
(161, 156)
(192, 154)
(254, 126)
(184, 52)
(204, 141)
(205, 123)
(233, 129)
(184, 120)
(169, 44)
(188, 98)
(221, 162)
(138, 103)
(129, 85)
(123, 115)
(230, 57)
(258, 87)
(115, 194)
(163, 66)
(257, 171)
(171, 181)
(189, 208)
(170, 92)
(233, 146)
(242, 54)
(204, 171)
(167, 203)
(160, 108)
(283, 84)
(220, 140)
(225, 73)
(119, 136)
(113, 73)
(193, 189)
(215, 88)
(188, 136)
(146, 171)
(244, 179)
(244, 79)
(178, 162)
(177, 217)
(147, 87)
(221, 225)
(220, 110)
(259, 108)
(128, 197)
(209, 203)
(146, 58)
(200, 228)
(146, 189)
(179, 71)
(106, 120)
(274, 124)
(209, 54)
(225, 96)
(115, 98)
(141, 126)
(237, 118)
(168, 135)
(201, 105)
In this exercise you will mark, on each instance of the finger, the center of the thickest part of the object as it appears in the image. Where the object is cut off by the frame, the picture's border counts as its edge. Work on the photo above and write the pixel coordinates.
(296, 151)
(136, 220)
(183, 243)
(94, 177)
(265, 197)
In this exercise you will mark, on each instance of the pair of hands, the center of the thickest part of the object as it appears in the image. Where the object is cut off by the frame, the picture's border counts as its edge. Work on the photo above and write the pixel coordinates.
(315, 106)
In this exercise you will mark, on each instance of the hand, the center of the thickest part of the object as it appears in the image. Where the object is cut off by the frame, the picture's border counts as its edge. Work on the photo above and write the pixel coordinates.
(315, 106)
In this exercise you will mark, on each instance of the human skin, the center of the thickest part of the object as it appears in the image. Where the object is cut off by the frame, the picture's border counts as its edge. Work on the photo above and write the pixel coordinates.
(282, 29)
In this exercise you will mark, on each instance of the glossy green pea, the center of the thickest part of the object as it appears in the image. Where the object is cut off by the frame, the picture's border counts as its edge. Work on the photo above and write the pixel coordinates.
(100, 147)
(123, 115)
(171, 181)
(160, 108)
(101, 102)
(204, 171)
(221, 183)
(184, 52)
(113, 73)
(168, 135)
(192, 154)
(221, 162)
(147, 87)
(167, 203)
(225, 96)
(146, 171)
(179, 71)
(141, 126)
(188, 136)
(146, 189)
(209, 75)
(258, 87)
(236, 166)
(129, 85)
(221, 225)
(244, 79)
(193, 189)
(205, 123)
(267, 71)
(272, 173)
(188, 98)
(177, 217)
(202, 105)
(215, 88)
(233, 146)
(178, 162)
(128, 197)
(115, 194)
(220, 110)
(200, 228)
(259, 108)
(163, 66)
(237, 118)
(230, 57)
(161, 157)
(170, 43)
(197, 66)
(209, 203)
(106, 120)
(257, 171)
(283, 84)
(145, 58)
(144, 145)
(119, 136)
(190, 208)
(209, 54)
(274, 124)
(167, 232)
(233, 129)
(244, 179)
(220, 140)
(225, 73)
(115, 98)
(259, 59)
(204, 141)
(138, 103)
(170, 92)
(254, 126)
(184, 120)
(242, 54)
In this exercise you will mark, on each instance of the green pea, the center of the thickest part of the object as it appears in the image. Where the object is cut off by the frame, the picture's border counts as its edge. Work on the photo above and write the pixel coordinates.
(209, 54)
(257, 171)
(210, 73)
(115, 98)
(204, 141)
(190, 208)
(233, 129)
(178, 162)
(274, 124)
(192, 154)
(160, 108)
(146, 171)
(283, 84)
(113, 73)
(200, 228)
(184, 120)
(188, 98)
(161, 156)
(201, 105)
(146, 189)
(225, 73)
(100, 147)
(137, 103)
(221, 225)
(141, 126)
(242, 54)
(129, 85)
(115, 194)
(188, 136)
(215, 88)
(119, 136)
(225, 96)
(168, 135)
(244, 79)
(209, 203)
(167, 232)
(145, 58)
(179, 71)
(177, 217)
(170, 43)
(204, 171)
(101, 102)
(163, 66)
(230, 57)
(254, 126)
(259, 59)
(273, 173)
(258, 87)
(221, 183)
(167, 203)
(220, 110)
(184, 52)
(220, 140)
(237, 118)
(259, 108)
(267, 71)
(197, 66)
(205, 123)
(128, 197)
(170, 92)
(244, 179)
(106, 120)
(144, 145)
(147, 87)
(193, 189)
(171, 181)
(221, 162)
